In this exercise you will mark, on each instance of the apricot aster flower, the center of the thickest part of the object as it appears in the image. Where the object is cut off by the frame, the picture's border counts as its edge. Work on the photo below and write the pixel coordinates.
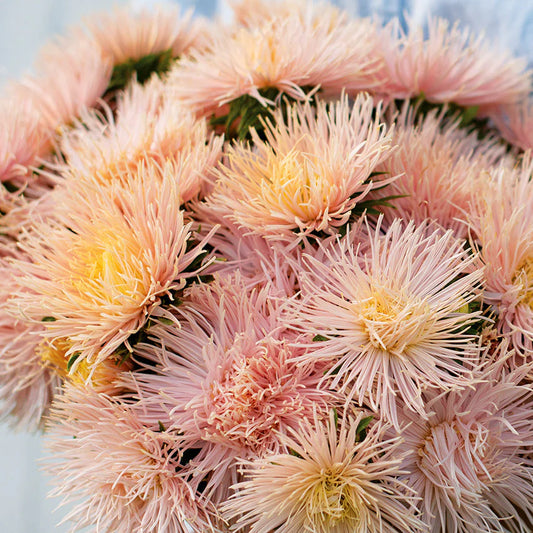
(471, 465)
(450, 65)
(391, 317)
(502, 222)
(226, 375)
(129, 34)
(440, 169)
(102, 266)
(121, 475)
(330, 51)
(309, 173)
(329, 482)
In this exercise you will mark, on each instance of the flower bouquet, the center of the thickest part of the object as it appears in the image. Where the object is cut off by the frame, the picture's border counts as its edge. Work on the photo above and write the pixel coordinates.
(272, 276)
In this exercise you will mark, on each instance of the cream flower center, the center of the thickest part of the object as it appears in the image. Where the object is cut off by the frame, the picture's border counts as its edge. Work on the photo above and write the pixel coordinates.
(393, 319)
(524, 278)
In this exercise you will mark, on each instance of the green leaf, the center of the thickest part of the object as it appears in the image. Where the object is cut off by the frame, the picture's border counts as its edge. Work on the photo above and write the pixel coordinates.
(294, 453)
(48, 319)
(73, 358)
(360, 432)
(161, 426)
(319, 338)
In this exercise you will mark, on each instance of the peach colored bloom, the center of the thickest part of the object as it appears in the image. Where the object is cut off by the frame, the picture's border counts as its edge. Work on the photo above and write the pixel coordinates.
(71, 76)
(440, 169)
(450, 65)
(151, 130)
(331, 51)
(226, 373)
(330, 482)
(502, 222)
(309, 173)
(128, 34)
(103, 265)
(390, 318)
(130, 478)
(472, 464)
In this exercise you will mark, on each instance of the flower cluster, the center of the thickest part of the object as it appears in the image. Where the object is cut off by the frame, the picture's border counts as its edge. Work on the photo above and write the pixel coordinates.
(272, 276)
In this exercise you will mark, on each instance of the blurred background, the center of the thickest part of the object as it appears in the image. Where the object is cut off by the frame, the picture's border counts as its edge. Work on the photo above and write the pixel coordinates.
(25, 25)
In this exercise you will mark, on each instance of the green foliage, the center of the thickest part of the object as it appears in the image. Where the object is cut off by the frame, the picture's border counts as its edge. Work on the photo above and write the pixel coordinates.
(73, 358)
(143, 68)
(246, 112)
(319, 338)
(360, 432)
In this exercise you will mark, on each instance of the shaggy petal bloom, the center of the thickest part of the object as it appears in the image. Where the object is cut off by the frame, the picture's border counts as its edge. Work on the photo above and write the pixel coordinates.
(516, 124)
(450, 65)
(225, 375)
(329, 482)
(128, 34)
(309, 173)
(472, 464)
(440, 169)
(391, 319)
(26, 386)
(71, 76)
(101, 268)
(150, 129)
(301, 50)
(130, 478)
(502, 222)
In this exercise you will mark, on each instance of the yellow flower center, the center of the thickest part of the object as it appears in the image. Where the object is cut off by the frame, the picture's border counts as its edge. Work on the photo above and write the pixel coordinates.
(392, 319)
(524, 278)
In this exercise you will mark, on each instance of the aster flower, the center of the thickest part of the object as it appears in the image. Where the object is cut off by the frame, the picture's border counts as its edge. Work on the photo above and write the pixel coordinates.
(440, 168)
(515, 123)
(330, 481)
(225, 376)
(127, 34)
(472, 468)
(301, 50)
(71, 76)
(450, 65)
(150, 130)
(121, 475)
(101, 267)
(309, 173)
(502, 222)
(390, 319)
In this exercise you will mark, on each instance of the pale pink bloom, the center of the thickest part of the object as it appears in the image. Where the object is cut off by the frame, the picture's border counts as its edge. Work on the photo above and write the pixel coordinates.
(450, 65)
(129, 34)
(26, 386)
(226, 375)
(515, 124)
(152, 130)
(122, 476)
(290, 53)
(309, 173)
(471, 463)
(440, 168)
(101, 267)
(328, 482)
(390, 319)
(502, 222)
(71, 76)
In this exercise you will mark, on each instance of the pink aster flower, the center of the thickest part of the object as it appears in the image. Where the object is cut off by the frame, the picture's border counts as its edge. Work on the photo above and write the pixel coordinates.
(226, 375)
(128, 34)
(71, 76)
(121, 475)
(101, 267)
(309, 173)
(472, 466)
(151, 130)
(502, 221)
(515, 123)
(450, 65)
(301, 50)
(330, 481)
(440, 169)
(390, 319)
(26, 386)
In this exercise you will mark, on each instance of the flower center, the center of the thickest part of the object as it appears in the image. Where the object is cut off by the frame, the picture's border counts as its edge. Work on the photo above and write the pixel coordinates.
(392, 319)
(524, 277)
